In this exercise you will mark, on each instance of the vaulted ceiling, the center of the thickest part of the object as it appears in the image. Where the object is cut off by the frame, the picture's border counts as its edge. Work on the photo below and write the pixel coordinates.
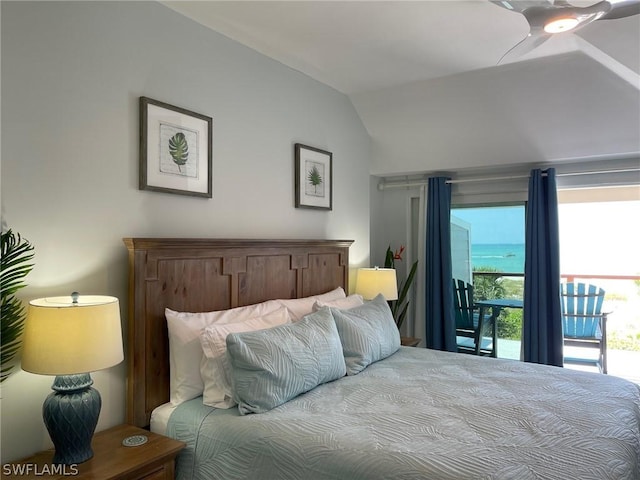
(425, 77)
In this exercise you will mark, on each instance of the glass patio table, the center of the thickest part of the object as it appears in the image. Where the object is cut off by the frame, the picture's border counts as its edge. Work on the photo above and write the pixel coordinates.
(497, 305)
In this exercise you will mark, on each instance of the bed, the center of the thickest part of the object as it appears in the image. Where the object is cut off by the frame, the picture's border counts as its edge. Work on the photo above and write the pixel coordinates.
(415, 413)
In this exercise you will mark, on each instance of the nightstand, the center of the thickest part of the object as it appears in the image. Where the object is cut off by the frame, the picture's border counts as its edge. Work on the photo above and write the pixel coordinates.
(410, 341)
(154, 460)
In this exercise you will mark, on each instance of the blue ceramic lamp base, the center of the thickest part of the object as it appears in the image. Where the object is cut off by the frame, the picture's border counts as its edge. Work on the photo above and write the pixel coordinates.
(71, 415)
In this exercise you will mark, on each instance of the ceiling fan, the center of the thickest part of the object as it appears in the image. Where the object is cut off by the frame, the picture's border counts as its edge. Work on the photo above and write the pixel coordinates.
(548, 17)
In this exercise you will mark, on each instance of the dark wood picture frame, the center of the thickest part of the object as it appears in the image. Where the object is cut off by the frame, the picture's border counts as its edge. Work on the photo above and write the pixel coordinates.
(313, 177)
(176, 154)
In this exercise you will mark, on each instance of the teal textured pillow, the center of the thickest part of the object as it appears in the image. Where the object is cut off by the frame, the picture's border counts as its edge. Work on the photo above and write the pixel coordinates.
(368, 333)
(270, 367)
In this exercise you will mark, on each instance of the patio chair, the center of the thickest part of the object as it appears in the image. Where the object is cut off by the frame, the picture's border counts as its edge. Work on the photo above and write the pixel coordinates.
(584, 324)
(471, 330)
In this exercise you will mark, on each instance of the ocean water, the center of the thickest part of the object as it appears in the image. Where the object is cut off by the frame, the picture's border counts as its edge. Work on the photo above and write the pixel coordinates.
(504, 257)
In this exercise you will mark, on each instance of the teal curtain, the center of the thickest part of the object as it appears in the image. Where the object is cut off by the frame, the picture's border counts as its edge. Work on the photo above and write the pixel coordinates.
(542, 320)
(440, 321)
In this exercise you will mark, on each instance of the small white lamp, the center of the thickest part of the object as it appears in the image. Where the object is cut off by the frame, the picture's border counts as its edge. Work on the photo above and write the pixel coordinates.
(372, 281)
(70, 337)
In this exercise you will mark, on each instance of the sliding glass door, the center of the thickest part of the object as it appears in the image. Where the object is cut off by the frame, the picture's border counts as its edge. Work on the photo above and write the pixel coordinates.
(487, 250)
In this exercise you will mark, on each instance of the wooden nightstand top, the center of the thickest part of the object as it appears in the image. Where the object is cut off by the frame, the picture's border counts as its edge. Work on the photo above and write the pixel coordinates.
(111, 459)
(410, 341)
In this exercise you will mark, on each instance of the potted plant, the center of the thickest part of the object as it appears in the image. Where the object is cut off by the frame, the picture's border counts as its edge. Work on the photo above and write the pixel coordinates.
(17, 254)
(399, 306)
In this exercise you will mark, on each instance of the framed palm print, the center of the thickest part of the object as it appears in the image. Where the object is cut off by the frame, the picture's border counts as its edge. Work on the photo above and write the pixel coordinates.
(313, 178)
(175, 150)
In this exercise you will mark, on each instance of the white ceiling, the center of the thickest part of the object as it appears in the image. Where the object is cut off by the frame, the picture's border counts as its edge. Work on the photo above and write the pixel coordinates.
(402, 63)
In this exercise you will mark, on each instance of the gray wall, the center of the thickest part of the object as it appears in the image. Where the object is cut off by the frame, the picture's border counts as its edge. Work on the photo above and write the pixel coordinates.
(392, 226)
(72, 74)
(390, 223)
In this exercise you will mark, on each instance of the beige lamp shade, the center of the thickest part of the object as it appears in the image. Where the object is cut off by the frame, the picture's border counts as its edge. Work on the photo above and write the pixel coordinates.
(65, 338)
(372, 281)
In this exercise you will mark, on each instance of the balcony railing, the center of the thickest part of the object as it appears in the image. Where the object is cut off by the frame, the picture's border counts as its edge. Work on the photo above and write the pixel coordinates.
(569, 277)
(622, 300)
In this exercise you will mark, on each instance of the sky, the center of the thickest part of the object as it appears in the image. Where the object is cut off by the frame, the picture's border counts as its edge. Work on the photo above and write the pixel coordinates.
(594, 237)
(601, 237)
(494, 224)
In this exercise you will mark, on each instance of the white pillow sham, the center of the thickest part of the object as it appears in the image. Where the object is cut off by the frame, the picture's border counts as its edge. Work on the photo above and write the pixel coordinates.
(185, 350)
(351, 301)
(299, 307)
(214, 368)
(185, 328)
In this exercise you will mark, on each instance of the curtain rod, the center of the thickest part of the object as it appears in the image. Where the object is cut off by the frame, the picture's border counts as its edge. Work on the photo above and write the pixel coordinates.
(383, 185)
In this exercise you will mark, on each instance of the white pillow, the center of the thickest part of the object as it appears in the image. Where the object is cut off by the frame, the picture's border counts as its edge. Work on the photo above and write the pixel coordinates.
(299, 307)
(185, 351)
(215, 369)
(351, 301)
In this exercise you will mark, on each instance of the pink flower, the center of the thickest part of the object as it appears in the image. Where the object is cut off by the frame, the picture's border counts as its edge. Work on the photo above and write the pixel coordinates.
(398, 254)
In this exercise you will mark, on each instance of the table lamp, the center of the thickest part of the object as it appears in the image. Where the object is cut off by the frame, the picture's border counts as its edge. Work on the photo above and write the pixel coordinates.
(70, 337)
(372, 281)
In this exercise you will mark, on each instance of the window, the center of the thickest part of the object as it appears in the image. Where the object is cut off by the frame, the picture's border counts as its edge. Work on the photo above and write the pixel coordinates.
(599, 245)
(488, 250)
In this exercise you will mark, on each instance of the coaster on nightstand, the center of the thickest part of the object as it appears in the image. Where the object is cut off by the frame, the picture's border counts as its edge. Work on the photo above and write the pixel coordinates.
(135, 440)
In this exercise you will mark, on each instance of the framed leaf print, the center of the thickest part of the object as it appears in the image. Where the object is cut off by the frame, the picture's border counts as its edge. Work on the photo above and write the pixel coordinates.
(313, 178)
(175, 150)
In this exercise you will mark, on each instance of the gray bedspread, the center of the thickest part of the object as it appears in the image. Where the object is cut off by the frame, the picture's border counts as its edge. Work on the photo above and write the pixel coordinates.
(423, 414)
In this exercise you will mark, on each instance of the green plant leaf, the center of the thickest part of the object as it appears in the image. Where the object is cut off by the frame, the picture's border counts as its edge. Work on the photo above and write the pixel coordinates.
(314, 176)
(404, 288)
(179, 149)
(399, 307)
(14, 266)
(488, 286)
(403, 314)
(389, 261)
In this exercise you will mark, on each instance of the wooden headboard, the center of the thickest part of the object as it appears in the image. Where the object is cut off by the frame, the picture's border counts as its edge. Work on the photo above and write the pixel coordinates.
(199, 275)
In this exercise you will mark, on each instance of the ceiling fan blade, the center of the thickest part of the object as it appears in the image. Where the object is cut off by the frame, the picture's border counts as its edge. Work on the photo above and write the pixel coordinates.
(521, 5)
(530, 42)
(621, 9)
(549, 17)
